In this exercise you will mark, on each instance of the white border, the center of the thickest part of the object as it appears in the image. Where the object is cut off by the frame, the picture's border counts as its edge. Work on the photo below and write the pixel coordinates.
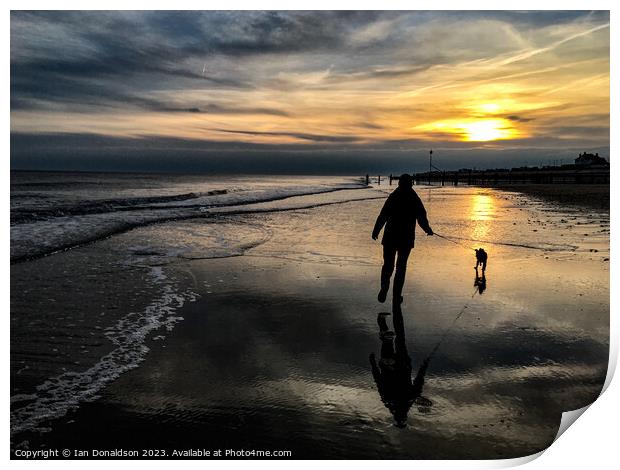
(591, 443)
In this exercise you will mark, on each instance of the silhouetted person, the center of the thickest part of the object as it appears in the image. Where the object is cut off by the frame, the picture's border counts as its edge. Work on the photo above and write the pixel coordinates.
(367, 180)
(399, 215)
(481, 259)
(481, 281)
(393, 372)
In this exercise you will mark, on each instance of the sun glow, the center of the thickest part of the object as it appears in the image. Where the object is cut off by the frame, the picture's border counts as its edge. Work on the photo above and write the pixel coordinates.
(482, 213)
(482, 207)
(488, 129)
(474, 130)
(489, 108)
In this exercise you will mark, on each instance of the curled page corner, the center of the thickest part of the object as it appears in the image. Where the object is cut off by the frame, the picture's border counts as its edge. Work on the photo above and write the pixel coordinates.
(612, 364)
(568, 418)
(517, 461)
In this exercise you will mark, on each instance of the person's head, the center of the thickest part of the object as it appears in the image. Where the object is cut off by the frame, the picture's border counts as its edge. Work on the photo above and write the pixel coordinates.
(405, 181)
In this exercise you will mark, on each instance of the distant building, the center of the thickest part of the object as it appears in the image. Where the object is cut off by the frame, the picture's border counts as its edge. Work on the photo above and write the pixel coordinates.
(590, 159)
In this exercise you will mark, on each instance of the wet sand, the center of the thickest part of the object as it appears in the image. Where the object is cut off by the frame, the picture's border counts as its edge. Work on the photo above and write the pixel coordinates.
(580, 195)
(270, 350)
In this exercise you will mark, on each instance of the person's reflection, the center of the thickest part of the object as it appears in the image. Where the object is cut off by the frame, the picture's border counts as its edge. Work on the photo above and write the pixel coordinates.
(480, 282)
(393, 372)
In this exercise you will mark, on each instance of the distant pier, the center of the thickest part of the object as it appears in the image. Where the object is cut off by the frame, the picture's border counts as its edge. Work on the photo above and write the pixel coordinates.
(566, 174)
(587, 169)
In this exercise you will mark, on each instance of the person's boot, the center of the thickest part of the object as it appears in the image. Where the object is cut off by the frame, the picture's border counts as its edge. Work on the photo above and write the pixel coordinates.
(382, 295)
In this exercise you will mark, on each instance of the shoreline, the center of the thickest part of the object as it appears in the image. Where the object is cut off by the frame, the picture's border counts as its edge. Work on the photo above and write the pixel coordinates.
(591, 196)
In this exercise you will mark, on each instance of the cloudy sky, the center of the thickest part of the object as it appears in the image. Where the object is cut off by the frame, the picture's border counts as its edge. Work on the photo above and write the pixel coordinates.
(306, 91)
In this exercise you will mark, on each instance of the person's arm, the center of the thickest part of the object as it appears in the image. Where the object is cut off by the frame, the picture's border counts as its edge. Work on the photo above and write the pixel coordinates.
(418, 382)
(421, 217)
(381, 220)
(376, 374)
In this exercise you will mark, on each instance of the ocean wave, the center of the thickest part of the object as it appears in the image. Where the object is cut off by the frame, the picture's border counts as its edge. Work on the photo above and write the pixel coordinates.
(25, 215)
(58, 395)
(57, 230)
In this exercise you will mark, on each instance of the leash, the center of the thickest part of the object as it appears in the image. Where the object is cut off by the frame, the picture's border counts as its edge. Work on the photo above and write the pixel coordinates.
(461, 311)
(453, 241)
(449, 329)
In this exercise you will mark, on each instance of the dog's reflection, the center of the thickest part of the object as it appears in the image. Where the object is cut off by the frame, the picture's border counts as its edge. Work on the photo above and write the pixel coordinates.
(393, 372)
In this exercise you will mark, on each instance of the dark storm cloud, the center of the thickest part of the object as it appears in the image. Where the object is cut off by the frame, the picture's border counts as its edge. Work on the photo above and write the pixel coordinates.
(370, 125)
(257, 33)
(383, 73)
(296, 135)
(74, 57)
(516, 118)
(532, 18)
(582, 132)
(208, 108)
(84, 152)
(85, 96)
(70, 57)
(121, 46)
(218, 109)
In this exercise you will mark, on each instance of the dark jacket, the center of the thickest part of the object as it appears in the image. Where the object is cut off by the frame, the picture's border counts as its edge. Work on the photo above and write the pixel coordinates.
(399, 215)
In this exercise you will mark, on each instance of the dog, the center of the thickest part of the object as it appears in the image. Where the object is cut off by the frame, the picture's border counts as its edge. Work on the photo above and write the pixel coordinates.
(481, 259)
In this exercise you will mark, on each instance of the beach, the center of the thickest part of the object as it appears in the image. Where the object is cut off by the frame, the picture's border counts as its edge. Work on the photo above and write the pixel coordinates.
(595, 196)
(252, 328)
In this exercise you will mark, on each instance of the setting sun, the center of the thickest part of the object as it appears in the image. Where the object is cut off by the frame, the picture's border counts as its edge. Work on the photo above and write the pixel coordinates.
(488, 129)
(474, 130)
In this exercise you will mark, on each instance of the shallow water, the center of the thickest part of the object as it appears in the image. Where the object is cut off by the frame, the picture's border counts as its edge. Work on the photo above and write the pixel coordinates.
(272, 350)
(52, 211)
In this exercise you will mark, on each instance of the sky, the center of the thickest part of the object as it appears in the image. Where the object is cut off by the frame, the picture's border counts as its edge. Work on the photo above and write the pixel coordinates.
(307, 92)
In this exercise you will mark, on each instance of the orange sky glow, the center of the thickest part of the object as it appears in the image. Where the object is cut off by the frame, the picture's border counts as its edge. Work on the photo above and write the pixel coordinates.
(450, 78)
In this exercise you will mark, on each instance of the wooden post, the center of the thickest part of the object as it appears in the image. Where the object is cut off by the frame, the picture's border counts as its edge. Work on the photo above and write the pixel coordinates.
(430, 166)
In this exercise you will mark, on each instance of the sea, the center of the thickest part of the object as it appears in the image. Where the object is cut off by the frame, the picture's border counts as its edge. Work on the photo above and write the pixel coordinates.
(53, 211)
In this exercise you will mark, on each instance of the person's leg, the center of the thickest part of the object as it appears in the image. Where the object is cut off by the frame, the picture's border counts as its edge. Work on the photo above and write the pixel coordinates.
(389, 254)
(401, 270)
